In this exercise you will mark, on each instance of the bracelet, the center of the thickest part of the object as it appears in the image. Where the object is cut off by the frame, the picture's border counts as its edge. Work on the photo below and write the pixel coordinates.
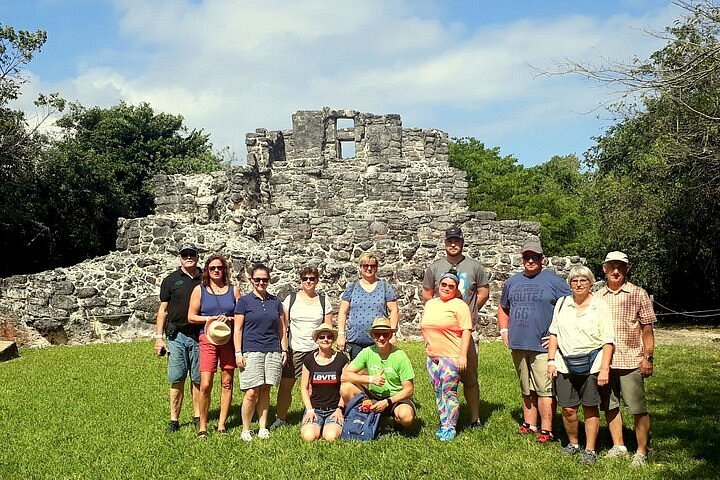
(158, 336)
(503, 330)
(238, 353)
(551, 361)
(341, 334)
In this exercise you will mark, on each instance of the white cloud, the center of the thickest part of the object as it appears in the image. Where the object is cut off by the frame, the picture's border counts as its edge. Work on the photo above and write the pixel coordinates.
(232, 66)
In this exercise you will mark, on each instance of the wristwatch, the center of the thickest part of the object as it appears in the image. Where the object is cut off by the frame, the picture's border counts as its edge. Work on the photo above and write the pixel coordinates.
(649, 358)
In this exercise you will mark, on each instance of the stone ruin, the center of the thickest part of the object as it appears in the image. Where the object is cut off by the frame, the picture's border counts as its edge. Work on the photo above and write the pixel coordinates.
(340, 183)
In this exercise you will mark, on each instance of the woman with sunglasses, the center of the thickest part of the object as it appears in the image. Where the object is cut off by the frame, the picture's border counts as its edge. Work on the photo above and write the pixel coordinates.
(305, 311)
(582, 335)
(320, 388)
(361, 303)
(214, 301)
(260, 349)
(446, 327)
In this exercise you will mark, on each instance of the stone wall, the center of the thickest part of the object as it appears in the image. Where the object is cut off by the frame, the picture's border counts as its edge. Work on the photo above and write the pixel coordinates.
(296, 201)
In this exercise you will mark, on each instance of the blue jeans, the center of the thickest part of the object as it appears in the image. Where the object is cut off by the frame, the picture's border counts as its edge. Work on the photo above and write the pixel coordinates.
(184, 357)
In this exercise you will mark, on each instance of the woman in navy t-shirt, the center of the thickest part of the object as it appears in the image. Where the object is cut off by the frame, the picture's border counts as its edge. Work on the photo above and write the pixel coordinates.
(260, 349)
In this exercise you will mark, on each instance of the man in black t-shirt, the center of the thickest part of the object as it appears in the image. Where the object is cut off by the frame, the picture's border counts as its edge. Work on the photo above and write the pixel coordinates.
(181, 337)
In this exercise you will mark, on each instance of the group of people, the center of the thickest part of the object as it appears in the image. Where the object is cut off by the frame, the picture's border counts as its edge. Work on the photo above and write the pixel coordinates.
(572, 347)
(569, 346)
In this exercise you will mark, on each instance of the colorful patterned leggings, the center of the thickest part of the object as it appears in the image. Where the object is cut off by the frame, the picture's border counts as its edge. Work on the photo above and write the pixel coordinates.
(444, 377)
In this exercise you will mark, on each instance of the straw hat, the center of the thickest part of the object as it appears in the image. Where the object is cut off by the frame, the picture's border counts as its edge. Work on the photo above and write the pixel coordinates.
(324, 327)
(381, 323)
(218, 333)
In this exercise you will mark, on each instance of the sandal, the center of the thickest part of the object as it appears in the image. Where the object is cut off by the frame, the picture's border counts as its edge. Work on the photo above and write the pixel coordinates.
(222, 431)
(202, 435)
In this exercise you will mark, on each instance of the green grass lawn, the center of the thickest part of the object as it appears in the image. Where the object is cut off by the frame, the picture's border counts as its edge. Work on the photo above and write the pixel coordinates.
(101, 411)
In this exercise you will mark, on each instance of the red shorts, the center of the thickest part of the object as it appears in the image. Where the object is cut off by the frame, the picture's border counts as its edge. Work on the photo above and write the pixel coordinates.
(211, 354)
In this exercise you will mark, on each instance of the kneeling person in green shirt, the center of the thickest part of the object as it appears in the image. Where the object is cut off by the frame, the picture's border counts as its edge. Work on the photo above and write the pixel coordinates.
(384, 373)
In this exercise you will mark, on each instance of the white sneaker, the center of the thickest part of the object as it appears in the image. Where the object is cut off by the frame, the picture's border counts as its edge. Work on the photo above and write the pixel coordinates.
(279, 422)
(638, 460)
(246, 436)
(263, 433)
(617, 451)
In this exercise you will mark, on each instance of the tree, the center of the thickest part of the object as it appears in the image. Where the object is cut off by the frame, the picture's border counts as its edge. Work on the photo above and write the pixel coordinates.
(657, 172)
(549, 193)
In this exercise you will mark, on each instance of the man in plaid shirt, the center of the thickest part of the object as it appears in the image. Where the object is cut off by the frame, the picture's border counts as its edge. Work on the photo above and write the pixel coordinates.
(632, 361)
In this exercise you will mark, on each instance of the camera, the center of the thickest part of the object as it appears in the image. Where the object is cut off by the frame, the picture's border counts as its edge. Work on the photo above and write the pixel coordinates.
(163, 351)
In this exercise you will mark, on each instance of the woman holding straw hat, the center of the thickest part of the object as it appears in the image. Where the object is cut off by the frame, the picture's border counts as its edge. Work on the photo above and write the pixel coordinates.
(320, 388)
(212, 304)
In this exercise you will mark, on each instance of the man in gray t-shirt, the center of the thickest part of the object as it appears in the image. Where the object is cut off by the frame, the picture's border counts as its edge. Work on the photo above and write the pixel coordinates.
(475, 291)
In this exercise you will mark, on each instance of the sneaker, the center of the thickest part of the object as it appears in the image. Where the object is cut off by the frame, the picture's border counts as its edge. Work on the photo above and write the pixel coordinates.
(196, 422)
(638, 460)
(246, 436)
(527, 428)
(570, 449)
(447, 434)
(588, 456)
(545, 436)
(476, 425)
(279, 422)
(263, 434)
(617, 451)
(202, 435)
(173, 426)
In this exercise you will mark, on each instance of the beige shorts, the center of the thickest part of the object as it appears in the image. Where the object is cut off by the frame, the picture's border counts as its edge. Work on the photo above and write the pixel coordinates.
(531, 368)
(628, 385)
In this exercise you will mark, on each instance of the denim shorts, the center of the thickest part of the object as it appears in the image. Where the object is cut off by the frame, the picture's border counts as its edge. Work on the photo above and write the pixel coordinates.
(323, 416)
(184, 357)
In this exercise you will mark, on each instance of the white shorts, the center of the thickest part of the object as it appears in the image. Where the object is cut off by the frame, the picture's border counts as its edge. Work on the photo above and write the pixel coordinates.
(261, 368)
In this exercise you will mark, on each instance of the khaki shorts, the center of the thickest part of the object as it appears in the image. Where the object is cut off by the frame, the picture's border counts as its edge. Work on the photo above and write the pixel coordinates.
(469, 377)
(531, 368)
(628, 385)
(294, 364)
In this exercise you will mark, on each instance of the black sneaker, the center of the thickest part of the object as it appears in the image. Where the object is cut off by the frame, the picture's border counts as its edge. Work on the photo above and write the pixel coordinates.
(476, 425)
(173, 426)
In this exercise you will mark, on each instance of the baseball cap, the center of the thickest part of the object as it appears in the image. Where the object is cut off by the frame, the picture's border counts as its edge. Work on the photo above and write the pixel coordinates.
(453, 232)
(187, 246)
(617, 257)
(532, 246)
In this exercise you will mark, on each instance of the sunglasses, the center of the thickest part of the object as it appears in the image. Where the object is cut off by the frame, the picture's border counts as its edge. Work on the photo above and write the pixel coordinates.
(309, 279)
(535, 257)
(261, 280)
(381, 334)
(215, 268)
(327, 336)
(188, 254)
(368, 266)
(451, 286)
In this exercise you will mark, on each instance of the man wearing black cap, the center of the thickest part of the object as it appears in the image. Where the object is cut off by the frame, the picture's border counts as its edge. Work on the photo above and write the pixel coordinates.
(524, 316)
(181, 335)
(475, 291)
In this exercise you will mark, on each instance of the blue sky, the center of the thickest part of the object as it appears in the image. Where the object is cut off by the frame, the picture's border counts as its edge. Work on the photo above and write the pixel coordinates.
(230, 66)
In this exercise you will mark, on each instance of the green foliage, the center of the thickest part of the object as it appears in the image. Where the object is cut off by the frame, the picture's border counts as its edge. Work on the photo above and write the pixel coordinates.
(549, 193)
(101, 411)
(656, 184)
(62, 199)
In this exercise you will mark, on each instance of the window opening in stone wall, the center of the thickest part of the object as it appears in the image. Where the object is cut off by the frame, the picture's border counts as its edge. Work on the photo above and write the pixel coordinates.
(345, 123)
(345, 135)
(346, 149)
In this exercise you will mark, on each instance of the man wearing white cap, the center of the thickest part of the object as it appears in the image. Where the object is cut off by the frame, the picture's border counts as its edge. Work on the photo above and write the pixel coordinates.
(474, 290)
(524, 317)
(632, 361)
